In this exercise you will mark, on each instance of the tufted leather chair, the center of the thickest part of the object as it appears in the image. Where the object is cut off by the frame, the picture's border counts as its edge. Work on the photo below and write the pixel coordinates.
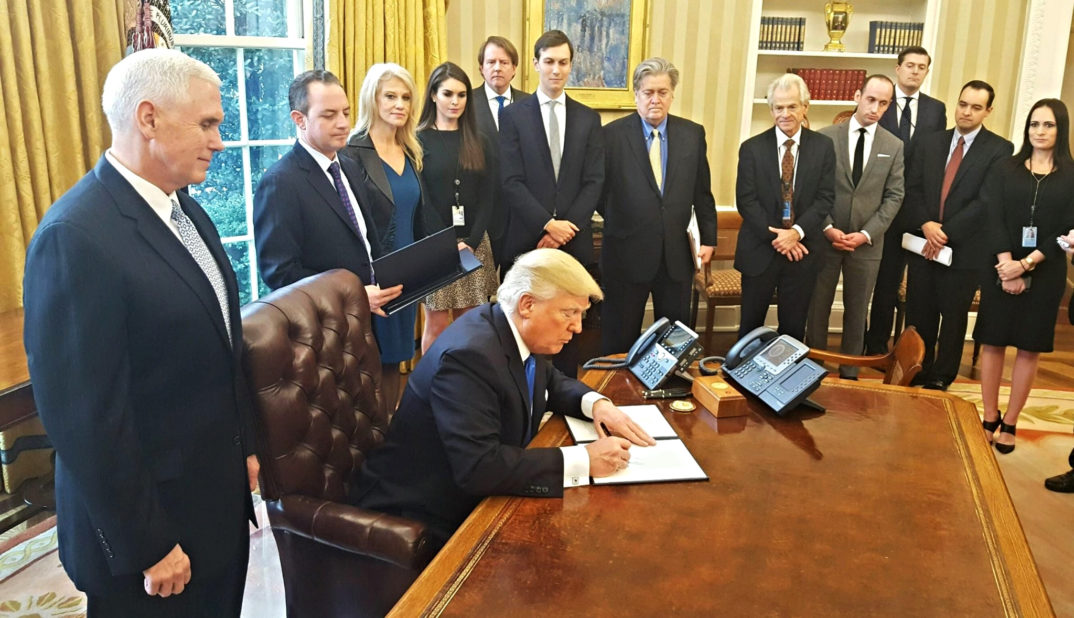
(314, 373)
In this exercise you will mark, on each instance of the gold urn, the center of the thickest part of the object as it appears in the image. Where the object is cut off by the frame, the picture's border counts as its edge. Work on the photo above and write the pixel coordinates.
(837, 18)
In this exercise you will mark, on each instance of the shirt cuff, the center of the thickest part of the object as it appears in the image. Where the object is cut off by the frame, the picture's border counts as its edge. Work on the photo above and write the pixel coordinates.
(575, 465)
(798, 229)
(589, 400)
(867, 236)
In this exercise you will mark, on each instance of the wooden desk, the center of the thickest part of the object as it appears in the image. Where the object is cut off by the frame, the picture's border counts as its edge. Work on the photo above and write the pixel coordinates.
(890, 503)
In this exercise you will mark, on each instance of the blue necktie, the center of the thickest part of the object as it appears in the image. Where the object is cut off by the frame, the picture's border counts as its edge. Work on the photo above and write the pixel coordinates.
(500, 99)
(531, 374)
(337, 180)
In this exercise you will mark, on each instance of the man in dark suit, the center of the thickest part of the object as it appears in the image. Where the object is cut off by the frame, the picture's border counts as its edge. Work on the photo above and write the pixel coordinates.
(868, 195)
(657, 174)
(911, 116)
(133, 339)
(944, 181)
(476, 400)
(784, 191)
(308, 207)
(552, 167)
(498, 62)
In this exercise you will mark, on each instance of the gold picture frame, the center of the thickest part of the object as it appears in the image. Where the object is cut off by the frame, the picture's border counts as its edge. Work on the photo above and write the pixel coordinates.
(618, 96)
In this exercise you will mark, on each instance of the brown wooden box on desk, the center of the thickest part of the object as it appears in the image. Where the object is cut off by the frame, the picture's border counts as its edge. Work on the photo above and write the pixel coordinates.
(718, 397)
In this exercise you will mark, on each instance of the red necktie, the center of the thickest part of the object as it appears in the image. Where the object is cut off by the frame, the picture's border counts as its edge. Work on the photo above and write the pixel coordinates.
(949, 174)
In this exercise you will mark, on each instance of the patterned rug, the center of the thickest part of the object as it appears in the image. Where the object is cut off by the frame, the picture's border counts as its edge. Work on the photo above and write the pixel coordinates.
(1046, 409)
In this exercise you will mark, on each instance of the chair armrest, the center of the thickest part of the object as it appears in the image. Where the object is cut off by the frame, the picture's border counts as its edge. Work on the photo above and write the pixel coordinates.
(879, 361)
(400, 541)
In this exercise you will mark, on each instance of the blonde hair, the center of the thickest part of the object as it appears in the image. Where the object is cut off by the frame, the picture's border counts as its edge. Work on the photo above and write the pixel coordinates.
(161, 76)
(545, 274)
(375, 78)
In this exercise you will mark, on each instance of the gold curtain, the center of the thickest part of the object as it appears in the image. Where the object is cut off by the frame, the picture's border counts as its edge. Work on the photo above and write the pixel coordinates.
(54, 57)
(363, 32)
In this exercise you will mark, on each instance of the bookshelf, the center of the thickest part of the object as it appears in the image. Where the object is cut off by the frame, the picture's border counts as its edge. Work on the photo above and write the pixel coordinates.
(765, 65)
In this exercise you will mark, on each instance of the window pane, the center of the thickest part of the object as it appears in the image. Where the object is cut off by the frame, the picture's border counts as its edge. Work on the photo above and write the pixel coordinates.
(221, 194)
(239, 254)
(269, 73)
(223, 62)
(262, 158)
(198, 16)
(261, 17)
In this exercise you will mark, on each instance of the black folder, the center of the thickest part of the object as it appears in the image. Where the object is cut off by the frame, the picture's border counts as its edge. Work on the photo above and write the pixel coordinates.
(424, 267)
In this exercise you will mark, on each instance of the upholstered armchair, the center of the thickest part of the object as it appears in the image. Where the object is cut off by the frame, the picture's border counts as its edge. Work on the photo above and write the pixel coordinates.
(314, 372)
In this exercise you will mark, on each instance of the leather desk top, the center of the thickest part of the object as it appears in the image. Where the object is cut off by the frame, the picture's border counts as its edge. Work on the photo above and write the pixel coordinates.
(889, 503)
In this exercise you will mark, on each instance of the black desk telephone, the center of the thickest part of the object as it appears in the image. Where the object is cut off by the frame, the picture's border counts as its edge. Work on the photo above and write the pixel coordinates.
(774, 368)
(662, 349)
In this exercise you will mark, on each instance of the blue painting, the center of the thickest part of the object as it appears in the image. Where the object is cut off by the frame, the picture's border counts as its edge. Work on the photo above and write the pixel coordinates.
(599, 30)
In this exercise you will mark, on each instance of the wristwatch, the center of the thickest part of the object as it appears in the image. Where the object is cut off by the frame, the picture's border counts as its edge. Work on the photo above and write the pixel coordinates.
(1030, 262)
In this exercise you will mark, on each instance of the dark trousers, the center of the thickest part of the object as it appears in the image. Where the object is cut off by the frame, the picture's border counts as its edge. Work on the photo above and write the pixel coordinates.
(623, 308)
(793, 283)
(886, 292)
(211, 596)
(938, 300)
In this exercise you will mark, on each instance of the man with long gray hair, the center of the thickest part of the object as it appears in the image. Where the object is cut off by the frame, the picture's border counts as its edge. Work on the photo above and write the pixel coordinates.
(133, 339)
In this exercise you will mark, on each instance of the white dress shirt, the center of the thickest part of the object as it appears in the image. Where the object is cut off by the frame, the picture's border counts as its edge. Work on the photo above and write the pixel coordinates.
(323, 162)
(781, 138)
(900, 105)
(160, 202)
(494, 105)
(575, 458)
(853, 136)
(967, 142)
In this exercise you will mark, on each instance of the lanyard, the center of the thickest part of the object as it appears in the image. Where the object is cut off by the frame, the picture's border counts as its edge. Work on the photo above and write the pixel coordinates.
(1036, 190)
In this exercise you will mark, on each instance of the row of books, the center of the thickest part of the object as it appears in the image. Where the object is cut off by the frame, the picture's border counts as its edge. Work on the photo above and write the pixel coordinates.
(891, 37)
(831, 84)
(782, 33)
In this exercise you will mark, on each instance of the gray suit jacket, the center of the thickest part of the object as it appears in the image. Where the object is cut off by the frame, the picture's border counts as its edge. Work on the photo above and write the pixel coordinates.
(873, 204)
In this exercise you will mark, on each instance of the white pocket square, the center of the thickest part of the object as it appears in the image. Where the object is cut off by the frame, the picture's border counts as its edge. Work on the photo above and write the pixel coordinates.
(880, 155)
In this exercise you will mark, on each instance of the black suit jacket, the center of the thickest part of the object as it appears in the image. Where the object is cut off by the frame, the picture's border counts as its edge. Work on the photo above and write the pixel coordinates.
(760, 201)
(139, 387)
(964, 212)
(530, 189)
(301, 227)
(485, 123)
(640, 224)
(379, 192)
(460, 431)
(931, 117)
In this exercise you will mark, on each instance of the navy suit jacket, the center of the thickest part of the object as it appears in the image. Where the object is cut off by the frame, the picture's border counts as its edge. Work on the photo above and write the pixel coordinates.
(760, 201)
(964, 212)
(461, 428)
(641, 226)
(485, 123)
(301, 227)
(530, 188)
(138, 385)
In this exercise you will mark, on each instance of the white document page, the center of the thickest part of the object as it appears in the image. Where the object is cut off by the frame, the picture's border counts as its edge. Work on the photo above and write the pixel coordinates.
(667, 461)
(647, 416)
(910, 242)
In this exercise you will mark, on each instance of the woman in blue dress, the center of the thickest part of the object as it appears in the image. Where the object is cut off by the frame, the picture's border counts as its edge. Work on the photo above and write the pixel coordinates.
(385, 144)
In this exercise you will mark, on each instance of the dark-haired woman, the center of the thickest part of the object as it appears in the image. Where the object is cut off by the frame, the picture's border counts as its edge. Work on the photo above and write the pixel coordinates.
(1028, 201)
(458, 175)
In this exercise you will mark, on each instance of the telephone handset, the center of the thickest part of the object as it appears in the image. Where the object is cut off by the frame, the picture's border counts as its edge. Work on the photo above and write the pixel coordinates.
(774, 368)
(663, 349)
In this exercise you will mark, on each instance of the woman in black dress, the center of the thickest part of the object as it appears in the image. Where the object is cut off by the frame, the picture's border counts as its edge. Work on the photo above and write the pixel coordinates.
(458, 173)
(1028, 205)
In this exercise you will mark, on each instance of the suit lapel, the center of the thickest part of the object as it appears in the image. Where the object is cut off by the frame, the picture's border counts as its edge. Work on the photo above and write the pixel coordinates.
(537, 122)
(317, 179)
(374, 167)
(513, 358)
(636, 142)
(161, 239)
(842, 152)
(972, 158)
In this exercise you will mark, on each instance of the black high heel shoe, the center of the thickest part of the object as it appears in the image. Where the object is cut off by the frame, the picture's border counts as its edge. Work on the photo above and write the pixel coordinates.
(991, 426)
(1005, 428)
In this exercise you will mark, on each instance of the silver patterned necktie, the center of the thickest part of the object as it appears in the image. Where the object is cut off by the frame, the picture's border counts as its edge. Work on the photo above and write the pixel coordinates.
(554, 147)
(192, 240)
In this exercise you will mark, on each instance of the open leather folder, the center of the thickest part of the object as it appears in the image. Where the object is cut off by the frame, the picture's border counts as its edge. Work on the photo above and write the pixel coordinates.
(424, 267)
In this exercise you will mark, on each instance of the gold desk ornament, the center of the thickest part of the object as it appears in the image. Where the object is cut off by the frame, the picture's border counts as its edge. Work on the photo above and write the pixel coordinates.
(837, 18)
